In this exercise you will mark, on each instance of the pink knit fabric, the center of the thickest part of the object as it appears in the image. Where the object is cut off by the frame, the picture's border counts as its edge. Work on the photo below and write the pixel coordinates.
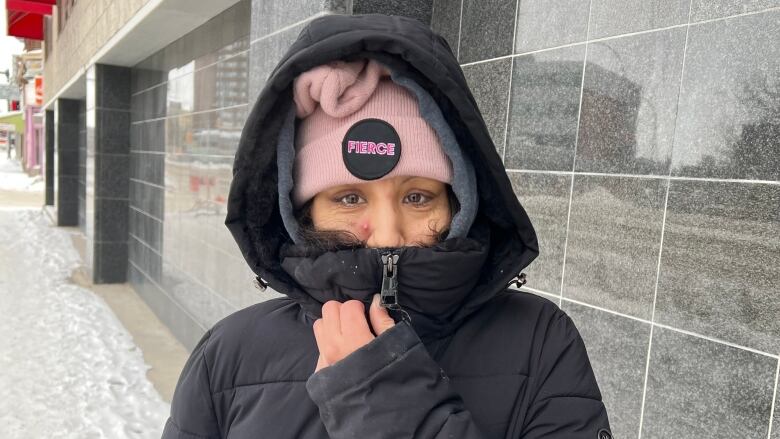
(330, 98)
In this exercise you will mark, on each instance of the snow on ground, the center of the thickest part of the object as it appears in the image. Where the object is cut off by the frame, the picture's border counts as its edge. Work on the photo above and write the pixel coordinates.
(12, 178)
(68, 368)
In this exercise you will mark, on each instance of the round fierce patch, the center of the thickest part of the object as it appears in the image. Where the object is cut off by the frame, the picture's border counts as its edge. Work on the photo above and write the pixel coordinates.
(371, 148)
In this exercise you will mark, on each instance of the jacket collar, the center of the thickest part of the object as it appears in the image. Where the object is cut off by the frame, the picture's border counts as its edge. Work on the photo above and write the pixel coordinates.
(437, 285)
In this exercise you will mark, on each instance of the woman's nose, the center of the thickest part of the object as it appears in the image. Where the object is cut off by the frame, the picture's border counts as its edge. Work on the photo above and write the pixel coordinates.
(386, 228)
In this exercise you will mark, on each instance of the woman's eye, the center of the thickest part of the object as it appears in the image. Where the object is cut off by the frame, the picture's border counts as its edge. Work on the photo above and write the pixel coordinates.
(417, 198)
(350, 199)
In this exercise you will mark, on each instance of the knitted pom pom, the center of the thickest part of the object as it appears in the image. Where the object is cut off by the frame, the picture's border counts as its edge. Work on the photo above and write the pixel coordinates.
(340, 87)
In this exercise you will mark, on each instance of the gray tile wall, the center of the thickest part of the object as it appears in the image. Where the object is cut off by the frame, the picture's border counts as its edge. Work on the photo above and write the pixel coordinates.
(66, 161)
(107, 171)
(49, 163)
(188, 105)
(643, 138)
(82, 180)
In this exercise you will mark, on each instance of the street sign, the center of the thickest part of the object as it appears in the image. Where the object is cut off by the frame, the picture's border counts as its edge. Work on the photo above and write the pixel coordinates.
(9, 92)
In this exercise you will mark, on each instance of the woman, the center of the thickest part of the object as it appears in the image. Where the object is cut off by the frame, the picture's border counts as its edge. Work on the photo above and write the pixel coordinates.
(368, 193)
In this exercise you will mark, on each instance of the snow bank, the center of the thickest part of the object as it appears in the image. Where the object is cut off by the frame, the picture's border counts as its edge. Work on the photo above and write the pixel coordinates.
(12, 178)
(68, 368)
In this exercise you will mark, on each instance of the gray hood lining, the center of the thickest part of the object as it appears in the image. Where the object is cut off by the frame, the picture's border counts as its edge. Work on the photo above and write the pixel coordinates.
(464, 182)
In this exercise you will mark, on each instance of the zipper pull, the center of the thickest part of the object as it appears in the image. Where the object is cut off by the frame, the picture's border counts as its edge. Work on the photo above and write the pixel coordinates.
(389, 293)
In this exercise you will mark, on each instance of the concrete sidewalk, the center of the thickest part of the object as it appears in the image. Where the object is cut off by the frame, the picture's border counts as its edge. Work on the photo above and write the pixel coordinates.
(161, 350)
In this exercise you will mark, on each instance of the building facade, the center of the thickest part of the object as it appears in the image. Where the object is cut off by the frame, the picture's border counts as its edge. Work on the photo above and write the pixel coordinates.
(642, 138)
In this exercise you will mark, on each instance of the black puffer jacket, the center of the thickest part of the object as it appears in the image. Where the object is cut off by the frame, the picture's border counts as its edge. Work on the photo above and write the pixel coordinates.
(476, 360)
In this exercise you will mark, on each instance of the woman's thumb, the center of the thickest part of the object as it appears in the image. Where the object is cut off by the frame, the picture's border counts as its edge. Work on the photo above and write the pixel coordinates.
(380, 319)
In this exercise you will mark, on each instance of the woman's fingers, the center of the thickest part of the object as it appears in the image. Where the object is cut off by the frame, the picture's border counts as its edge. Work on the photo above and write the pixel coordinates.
(331, 311)
(380, 318)
(353, 318)
(342, 329)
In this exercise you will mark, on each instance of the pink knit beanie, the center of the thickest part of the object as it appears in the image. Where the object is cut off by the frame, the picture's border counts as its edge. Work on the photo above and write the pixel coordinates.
(358, 125)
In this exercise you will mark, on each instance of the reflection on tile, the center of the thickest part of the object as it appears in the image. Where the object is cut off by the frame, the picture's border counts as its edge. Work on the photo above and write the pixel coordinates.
(199, 132)
(550, 23)
(721, 262)
(185, 142)
(265, 54)
(181, 324)
(171, 134)
(182, 144)
(446, 22)
(487, 28)
(699, 388)
(145, 258)
(147, 198)
(543, 109)
(226, 130)
(180, 96)
(270, 16)
(147, 166)
(727, 124)
(546, 199)
(204, 88)
(153, 135)
(222, 36)
(628, 103)
(613, 17)
(617, 349)
(147, 229)
(709, 9)
(489, 83)
(614, 240)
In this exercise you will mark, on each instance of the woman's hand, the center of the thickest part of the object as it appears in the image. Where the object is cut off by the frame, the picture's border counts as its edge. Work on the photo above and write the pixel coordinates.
(343, 328)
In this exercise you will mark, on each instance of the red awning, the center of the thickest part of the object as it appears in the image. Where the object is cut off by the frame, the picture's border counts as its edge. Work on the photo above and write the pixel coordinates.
(25, 17)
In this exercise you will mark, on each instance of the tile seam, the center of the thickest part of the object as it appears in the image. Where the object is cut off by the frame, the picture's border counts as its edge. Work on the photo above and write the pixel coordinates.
(612, 37)
(774, 401)
(663, 226)
(460, 30)
(190, 113)
(290, 26)
(647, 176)
(509, 89)
(574, 159)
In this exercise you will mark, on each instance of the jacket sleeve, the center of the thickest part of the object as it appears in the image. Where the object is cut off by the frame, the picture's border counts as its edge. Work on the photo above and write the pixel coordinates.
(564, 399)
(192, 410)
(390, 388)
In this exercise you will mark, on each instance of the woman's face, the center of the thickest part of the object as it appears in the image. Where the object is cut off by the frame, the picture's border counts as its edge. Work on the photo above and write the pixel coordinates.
(393, 212)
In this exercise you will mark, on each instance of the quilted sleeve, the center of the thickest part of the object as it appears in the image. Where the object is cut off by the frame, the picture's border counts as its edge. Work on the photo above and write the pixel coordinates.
(192, 410)
(390, 388)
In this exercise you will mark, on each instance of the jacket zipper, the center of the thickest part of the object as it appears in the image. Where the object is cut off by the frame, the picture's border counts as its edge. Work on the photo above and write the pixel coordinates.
(388, 296)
